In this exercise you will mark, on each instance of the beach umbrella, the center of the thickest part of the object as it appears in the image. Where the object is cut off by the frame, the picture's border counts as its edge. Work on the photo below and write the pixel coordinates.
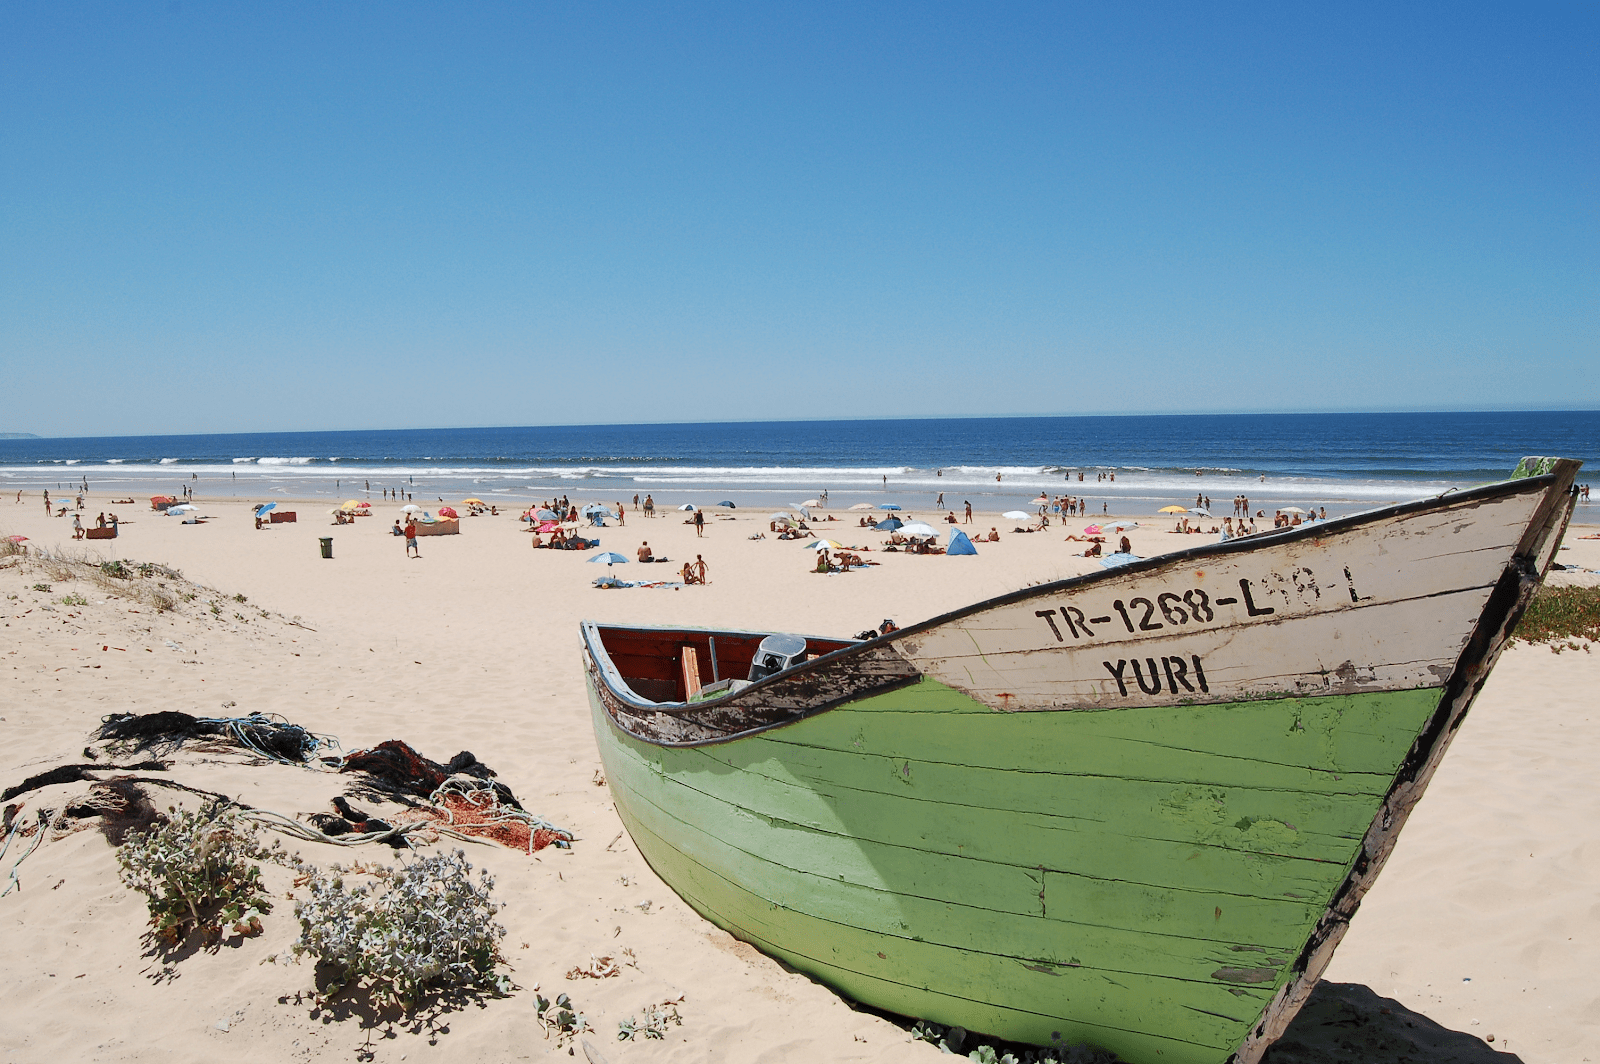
(1119, 526)
(888, 524)
(349, 504)
(610, 557)
(728, 504)
(781, 515)
(812, 502)
(823, 544)
(687, 506)
(918, 528)
(264, 507)
(1173, 510)
(1016, 515)
(413, 508)
(1041, 500)
(448, 511)
(473, 502)
(862, 506)
(544, 515)
(596, 508)
(364, 506)
(183, 509)
(18, 539)
(1203, 512)
(549, 526)
(1093, 530)
(887, 506)
(1293, 510)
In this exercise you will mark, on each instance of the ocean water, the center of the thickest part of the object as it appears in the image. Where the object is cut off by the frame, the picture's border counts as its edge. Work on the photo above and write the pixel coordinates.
(1342, 461)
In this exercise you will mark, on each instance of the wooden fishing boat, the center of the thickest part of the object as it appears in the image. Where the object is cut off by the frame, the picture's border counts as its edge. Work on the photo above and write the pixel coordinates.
(1135, 809)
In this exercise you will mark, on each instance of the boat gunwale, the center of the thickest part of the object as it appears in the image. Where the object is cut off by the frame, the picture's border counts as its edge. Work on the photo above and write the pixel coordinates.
(617, 685)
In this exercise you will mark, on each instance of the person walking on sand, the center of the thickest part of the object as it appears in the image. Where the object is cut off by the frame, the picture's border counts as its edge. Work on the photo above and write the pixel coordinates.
(77, 527)
(968, 521)
(411, 538)
(699, 523)
(622, 515)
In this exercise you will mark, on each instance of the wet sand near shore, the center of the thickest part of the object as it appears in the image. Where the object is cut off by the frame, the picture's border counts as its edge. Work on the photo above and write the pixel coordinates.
(1480, 925)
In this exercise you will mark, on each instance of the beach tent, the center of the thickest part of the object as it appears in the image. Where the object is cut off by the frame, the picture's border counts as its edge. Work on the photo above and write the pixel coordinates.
(1016, 515)
(687, 506)
(959, 543)
(862, 506)
(888, 524)
(728, 504)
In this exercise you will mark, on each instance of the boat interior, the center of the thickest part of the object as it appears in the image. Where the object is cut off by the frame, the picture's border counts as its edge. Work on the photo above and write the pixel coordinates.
(665, 665)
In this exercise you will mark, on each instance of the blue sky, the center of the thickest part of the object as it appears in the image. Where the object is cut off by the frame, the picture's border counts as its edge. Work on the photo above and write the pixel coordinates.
(229, 217)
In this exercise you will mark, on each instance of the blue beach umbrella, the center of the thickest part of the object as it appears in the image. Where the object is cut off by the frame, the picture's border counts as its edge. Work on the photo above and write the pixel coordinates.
(888, 524)
(610, 557)
(728, 504)
(887, 506)
(264, 507)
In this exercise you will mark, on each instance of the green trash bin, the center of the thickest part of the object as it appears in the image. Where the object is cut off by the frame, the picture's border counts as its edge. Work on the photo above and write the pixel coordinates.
(327, 546)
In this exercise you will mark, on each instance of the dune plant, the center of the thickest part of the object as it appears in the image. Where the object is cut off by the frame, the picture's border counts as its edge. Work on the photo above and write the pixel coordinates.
(199, 870)
(424, 926)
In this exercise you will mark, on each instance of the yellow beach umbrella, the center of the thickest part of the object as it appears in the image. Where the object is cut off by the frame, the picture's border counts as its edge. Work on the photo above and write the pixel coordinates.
(1173, 510)
(472, 502)
(350, 504)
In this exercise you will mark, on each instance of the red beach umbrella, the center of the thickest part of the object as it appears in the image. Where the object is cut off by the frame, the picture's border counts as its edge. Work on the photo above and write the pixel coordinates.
(448, 511)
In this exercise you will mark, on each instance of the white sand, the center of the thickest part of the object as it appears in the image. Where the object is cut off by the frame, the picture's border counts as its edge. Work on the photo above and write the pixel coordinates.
(474, 646)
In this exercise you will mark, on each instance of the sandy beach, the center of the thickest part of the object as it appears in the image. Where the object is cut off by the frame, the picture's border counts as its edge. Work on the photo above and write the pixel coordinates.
(1478, 928)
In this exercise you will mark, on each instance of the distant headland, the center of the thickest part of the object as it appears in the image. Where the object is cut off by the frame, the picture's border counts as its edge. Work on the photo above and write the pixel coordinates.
(20, 436)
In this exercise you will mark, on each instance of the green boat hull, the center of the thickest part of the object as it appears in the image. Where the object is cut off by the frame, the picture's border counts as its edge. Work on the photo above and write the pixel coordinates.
(1147, 893)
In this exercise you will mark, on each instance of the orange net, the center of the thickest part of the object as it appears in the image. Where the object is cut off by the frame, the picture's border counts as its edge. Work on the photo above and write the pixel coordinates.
(477, 811)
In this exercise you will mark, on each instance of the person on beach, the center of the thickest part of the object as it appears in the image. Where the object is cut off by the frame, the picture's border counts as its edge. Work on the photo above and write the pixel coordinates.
(77, 527)
(938, 504)
(622, 517)
(701, 570)
(968, 521)
(1123, 546)
(645, 554)
(699, 523)
(649, 506)
(411, 538)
